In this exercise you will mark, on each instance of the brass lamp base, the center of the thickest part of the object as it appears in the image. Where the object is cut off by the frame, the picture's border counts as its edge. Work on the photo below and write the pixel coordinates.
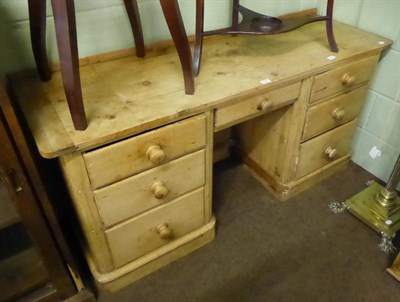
(367, 206)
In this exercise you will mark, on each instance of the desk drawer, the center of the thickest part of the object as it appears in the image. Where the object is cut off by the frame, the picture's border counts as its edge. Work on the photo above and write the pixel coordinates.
(334, 112)
(151, 188)
(155, 228)
(256, 105)
(121, 160)
(325, 149)
(342, 78)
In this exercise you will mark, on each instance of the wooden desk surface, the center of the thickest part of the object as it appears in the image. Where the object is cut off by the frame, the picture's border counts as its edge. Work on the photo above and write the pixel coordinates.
(130, 95)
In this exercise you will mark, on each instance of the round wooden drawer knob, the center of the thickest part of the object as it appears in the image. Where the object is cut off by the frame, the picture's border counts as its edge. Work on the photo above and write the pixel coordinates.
(264, 105)
(155, 154)
(330, 152)
(338, 113)
(159, 190)
(164, 231)
(348, 79)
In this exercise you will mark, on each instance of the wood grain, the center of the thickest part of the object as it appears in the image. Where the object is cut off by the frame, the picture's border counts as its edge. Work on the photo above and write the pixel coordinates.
(128, 103)
(123, 159)
(321, 118)
(77, 180)
(331, 82)
(133, 195)
(138, 236)
(154, 260)
(253, 106)
(312, 153)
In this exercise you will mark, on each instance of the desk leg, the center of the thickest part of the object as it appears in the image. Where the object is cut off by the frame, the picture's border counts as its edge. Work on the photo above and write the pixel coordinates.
(64, 18)
(174, 20)
(136, 25)
(37, 24)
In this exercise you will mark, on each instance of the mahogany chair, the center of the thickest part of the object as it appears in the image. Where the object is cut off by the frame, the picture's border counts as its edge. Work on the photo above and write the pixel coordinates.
(65, 23)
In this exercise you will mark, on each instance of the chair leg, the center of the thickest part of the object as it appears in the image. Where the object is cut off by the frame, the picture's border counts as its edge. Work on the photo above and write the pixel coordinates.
(329, 27)
(235, 14)
(174, 20)
(136, 25)
(64, 18)
(37, 24)
(198, 46)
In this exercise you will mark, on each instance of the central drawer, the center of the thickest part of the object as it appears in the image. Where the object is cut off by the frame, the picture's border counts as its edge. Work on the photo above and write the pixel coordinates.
(256, 105)
(155, 228)
(131, 156)
(151, 188)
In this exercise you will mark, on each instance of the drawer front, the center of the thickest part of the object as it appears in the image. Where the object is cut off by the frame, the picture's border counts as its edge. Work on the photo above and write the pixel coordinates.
(325, 149)
(342, 78)
(334, 112)
(151, 188)
(153, 229)
(256, 105)
(121, 160)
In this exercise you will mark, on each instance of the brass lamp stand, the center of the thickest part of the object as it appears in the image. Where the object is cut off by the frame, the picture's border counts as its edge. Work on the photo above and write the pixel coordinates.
(378, 207)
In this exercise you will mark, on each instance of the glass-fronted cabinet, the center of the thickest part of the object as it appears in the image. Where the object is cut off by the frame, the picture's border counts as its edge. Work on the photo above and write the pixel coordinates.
(36, 261)
(22, 271)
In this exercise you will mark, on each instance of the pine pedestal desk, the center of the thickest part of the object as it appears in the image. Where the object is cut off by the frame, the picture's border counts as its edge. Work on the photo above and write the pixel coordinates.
(140, 176)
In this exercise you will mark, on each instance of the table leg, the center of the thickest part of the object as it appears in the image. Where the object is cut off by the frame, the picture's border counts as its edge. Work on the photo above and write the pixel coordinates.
(174, 20)
(329, 27)
(64, 18)
(37, 24)
(136, 25)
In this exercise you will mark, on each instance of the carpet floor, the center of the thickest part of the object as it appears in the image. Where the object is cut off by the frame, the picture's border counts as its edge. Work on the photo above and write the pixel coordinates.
(266, 250)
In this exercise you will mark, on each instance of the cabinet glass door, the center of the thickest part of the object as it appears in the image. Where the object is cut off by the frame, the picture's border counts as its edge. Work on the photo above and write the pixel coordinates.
(22, 271)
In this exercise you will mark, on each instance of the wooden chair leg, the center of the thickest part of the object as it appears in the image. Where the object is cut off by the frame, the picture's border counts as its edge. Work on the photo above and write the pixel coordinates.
(174, 20)
(329, 27)
(235, 14)
(198, 46)
(37, 24)
(64, 18)
(134, 18)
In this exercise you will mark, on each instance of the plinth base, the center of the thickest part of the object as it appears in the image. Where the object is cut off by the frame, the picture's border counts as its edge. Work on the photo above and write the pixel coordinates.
(364, 207)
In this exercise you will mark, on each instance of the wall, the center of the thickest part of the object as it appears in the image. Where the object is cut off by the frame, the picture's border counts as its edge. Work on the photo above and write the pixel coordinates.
(103, 26)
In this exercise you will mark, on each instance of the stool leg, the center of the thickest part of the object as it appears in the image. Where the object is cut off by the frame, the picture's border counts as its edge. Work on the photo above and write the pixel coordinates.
(37, 24)
(64, 18)
(329, 27)
(198, 46)
(132, 9)
(173, 17)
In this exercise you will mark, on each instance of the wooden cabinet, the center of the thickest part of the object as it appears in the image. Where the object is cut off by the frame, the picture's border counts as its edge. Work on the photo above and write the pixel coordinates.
(143, 195)
(315, 145)
(140, 175)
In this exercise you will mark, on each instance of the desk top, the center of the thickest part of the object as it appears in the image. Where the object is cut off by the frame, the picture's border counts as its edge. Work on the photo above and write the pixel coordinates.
(129, 95)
